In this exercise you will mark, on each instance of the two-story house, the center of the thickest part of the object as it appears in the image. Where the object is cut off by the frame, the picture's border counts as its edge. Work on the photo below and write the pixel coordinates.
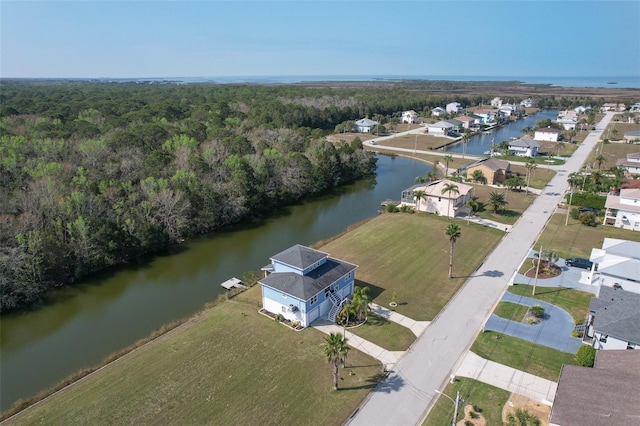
(410, 117)
(365, 125)
(434, 200)
(303, 284)
(454, 108)
(623, 210)
(524, 147)
(547, 134)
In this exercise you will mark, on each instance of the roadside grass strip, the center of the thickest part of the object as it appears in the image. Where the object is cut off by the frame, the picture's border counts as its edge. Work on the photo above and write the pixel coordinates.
(384, 333)
(573, 301)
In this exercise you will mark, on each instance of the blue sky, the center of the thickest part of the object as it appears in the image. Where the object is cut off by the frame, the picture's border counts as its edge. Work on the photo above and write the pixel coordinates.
(136, 39)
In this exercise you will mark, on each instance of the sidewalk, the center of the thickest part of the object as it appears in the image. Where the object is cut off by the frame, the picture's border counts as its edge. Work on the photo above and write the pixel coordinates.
(503, 377)
(490, 223)
(388, 358)
(417, 327)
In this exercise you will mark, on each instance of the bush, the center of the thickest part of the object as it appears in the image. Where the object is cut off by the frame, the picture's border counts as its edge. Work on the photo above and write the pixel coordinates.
(586, 356)
(537, 311)
(576, 333)
(588, 219)
(392, 208)
(584, 199)
(575, 214)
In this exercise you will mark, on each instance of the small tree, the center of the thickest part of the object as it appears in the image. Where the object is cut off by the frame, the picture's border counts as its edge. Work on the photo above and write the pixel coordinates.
(586, 356)
(522, 417)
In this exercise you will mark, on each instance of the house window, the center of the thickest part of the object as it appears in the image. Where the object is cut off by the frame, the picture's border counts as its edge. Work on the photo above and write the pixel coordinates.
(284, 309)
(314, 299)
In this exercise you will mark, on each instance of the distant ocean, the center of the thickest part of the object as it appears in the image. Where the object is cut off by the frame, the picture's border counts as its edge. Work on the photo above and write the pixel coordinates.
(607, 81)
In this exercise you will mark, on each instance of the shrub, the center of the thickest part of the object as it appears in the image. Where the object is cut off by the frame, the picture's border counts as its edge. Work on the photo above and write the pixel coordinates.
(279, 317)
(537, 311)
(588, 219)
(586, 356)
(392, 208)
(473, 414)
(575, 214)
(532, 320)
(589, 200)
(522, 418)
(576, 333)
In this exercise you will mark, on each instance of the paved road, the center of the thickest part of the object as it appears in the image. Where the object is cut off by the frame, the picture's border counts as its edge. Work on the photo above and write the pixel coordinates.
(407, 394)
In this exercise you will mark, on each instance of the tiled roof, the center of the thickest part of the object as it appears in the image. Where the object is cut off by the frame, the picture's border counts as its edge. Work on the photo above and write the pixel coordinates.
(617, 313)
(304, 287)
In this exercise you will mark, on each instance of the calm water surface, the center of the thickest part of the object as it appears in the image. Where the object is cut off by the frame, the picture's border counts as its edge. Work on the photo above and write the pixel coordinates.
(82, 325)
(481, 143)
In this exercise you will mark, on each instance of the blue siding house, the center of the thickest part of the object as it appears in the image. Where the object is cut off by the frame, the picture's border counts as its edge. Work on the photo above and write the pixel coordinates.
(303, 284)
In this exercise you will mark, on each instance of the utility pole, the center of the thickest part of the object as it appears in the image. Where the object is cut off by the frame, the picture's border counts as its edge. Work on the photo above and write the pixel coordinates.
(535, 281)
(566, 221)
(455, 413)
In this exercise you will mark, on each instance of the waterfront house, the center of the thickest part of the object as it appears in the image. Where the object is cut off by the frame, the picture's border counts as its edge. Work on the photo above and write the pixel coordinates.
(547, 134)
(303, 284)
(434, 200)
(496, 102)
(458, 126)
(632, 163)
(441, 128)
(365, 125)
(612, 107)
(454, 108)
(494, 170)
(486, 116)
(614, 320)
(616, 264)
(635, 107)
(508, 110)
(410, 117)
(604, 395)
(623, 209)
(524, 147)
(467, 121)
(529, 103)
(438, 111)
(632, 136)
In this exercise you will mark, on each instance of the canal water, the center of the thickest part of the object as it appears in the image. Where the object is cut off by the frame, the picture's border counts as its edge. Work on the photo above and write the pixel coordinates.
(83, 324)
(481, 143)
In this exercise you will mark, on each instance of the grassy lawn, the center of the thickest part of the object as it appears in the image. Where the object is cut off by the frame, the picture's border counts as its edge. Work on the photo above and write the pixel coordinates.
(385, 333)
(539, 177)
(511, 311)
(518, 202)
(565, 149)
(573, 301)
(612, 152)
(488, 399)
(521, 354)
(229, 365)
(421, 142)
(576, 239)
(409, 253)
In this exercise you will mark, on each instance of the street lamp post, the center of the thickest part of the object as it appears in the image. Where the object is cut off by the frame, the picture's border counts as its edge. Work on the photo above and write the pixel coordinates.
(455, 403)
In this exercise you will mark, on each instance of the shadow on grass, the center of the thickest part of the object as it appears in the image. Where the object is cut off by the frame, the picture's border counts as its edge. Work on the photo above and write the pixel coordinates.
(377, 320)
(370, 383)
(374, 291)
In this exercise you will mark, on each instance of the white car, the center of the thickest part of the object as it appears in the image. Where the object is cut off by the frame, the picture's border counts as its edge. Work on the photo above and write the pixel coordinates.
(372, 142)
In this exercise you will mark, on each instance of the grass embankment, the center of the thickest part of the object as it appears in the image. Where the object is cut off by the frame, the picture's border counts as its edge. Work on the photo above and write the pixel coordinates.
(227, 365)
(521, 354)
(576, 239)
(487, 399)
(385, 333)
(409, 253)
(573, 301)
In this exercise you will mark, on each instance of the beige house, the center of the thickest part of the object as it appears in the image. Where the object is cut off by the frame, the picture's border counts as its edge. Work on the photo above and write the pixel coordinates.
(496, 171)
(435, 201)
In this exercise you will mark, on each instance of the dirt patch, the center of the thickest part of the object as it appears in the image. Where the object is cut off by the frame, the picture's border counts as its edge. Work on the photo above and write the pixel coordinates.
(473, 417)
(536, 408)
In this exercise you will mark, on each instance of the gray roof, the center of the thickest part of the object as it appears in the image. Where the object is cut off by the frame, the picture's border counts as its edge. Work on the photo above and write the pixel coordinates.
(525, 143)
(304, 287)
(626, 270)
(299, 256)
(548, 130)
(441, 125)
(599, 396)
(632, 133)
(366, 122)
(454, 122)
(617, 313)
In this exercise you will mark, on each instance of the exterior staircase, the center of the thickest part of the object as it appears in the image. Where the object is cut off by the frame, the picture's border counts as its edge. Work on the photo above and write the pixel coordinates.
(337, 306)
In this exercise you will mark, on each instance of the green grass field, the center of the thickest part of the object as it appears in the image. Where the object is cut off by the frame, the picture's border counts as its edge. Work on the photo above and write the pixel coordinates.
(576, 239)
(409, 253)
(384, 333)
(518, 202)
(521, 354)
(511, 311)
(229, 365)
(487, 398)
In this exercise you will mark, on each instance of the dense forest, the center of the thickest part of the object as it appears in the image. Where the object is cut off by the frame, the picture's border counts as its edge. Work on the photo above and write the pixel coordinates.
(94, 174)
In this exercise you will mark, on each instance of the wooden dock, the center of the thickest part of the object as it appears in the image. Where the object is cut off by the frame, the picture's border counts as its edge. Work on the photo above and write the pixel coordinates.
(232, 283)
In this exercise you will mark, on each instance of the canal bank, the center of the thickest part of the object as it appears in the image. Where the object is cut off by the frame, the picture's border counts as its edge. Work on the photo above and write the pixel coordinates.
(83, 324)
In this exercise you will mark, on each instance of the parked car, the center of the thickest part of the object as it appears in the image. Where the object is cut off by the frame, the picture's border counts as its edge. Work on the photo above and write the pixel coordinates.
(372, 142)
(589, 210)
(578, 262)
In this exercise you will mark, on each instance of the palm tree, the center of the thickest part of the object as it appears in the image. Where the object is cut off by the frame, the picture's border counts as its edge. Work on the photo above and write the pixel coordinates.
(432, 176)
(449, 188)
(497, 201)
(465, 140)
(560, 146)
(478, 177)
(453, 232)
(448, 159)
(472, 205)
(530, 166)
(600, 159)
(419, 195)
(361, 301)
(335, 348)
(526, 130)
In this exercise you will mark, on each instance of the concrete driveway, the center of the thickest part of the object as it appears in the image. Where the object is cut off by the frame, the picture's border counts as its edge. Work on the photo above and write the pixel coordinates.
(554, 331)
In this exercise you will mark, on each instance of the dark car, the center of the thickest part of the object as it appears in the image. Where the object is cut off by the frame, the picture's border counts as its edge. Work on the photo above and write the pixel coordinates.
(589, 210)
(578, 262)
